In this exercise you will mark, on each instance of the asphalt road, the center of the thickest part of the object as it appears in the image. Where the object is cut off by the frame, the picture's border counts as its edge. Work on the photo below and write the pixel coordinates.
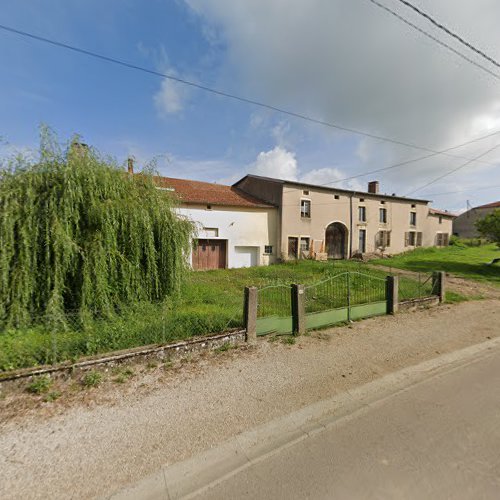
(439, 438)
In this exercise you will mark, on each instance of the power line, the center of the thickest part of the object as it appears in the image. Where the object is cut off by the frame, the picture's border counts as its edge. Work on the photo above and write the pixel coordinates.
(449, 32)
(216, 91)
(471, 190)
(407, 162)
(413, 160)
(453, 170)
(437, 40)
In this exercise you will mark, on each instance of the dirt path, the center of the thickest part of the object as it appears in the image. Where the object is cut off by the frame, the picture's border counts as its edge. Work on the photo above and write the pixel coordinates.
(112, 435)
(467, 287)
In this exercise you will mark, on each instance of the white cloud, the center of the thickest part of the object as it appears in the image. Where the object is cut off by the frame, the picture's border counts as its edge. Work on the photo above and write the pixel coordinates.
(331, 177)
(352, 64)
(278, 163)
(170, 97)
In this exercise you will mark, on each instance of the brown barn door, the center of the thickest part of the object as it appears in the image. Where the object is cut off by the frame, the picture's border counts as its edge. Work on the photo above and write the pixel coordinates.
(209, 254)
(336, 238)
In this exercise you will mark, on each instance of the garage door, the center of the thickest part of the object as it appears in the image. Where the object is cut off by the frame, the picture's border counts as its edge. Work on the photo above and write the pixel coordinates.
(209, 254)
(245, 257)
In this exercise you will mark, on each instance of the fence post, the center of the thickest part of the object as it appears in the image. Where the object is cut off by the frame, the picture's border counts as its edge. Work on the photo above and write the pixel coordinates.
(298, 310)
(392, 294)
(250, 313)
(439, 285)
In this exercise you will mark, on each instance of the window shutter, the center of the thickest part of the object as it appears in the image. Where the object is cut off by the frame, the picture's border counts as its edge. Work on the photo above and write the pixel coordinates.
(388, 239)
(446, 239)
(419, 239)
(407, 239)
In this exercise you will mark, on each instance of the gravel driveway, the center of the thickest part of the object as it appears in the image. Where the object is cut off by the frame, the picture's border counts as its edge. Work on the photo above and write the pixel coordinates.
(94, 443)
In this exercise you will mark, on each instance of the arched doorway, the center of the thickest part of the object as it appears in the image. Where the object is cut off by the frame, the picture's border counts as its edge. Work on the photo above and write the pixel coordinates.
(336, 241)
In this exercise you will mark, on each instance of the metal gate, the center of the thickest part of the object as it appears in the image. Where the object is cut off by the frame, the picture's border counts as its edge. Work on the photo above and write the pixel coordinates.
(340, 298)
(344, 297)
(274, 310)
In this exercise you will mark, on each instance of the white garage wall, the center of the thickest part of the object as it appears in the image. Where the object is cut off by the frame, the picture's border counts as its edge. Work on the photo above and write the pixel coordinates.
(241, 227)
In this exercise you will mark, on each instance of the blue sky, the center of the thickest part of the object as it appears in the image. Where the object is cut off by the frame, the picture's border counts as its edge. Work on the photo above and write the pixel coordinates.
(348, 64)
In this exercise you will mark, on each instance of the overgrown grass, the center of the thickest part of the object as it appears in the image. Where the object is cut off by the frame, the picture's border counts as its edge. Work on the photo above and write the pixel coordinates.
(210, 302)
(465, 261)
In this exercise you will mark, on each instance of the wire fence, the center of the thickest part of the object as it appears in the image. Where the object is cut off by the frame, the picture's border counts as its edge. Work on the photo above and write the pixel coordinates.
(417, 287)
(47, 339)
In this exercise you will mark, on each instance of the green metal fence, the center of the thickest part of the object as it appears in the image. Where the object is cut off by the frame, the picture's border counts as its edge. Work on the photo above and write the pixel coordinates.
(274, 310)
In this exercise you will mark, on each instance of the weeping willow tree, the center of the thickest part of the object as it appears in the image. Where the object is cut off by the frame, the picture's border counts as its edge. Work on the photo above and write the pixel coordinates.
(79, 234)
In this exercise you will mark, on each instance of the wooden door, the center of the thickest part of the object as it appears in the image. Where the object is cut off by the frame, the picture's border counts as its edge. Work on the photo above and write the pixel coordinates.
(293, 247)
(335, 238)
(209, 254)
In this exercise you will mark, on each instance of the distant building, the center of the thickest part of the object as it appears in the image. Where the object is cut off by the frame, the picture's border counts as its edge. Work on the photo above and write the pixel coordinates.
(464, 225)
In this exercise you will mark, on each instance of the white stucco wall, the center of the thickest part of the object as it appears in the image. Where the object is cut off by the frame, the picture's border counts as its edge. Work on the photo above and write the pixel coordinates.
(247, 231)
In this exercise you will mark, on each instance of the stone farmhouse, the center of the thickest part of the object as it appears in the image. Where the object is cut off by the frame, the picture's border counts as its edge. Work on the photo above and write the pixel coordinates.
(260, 220)
(464, 225)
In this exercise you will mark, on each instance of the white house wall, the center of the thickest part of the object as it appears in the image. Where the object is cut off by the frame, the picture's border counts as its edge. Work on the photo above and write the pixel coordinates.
(246, 230)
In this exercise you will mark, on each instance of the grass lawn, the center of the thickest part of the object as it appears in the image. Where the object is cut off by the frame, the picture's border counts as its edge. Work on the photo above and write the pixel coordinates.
(468, 262)
(210, 302)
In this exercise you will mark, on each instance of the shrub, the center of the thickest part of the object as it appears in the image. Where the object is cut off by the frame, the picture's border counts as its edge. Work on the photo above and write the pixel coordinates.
(40, 385)
(92, 379)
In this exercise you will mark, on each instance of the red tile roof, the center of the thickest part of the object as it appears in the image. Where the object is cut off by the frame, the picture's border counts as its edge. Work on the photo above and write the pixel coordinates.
(207, 193)
(435, 211)
(495, 204)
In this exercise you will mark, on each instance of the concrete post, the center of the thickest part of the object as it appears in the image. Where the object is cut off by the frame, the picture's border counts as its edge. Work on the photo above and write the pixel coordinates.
(250, 313)
(298, 309)
(391, 293)
(439, 284)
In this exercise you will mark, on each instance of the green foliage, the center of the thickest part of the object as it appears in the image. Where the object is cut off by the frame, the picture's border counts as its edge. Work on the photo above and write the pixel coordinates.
(465, 261)
(79, 234)
(466, 242)
(92, 379)
(52, 396)
(489, 227)
(40, 385)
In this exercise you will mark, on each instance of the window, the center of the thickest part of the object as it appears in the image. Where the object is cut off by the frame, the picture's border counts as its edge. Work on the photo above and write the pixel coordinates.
(209, 207)
(361, 200)
(413, 206)
(383, 215)
(413, 218)
(413, 239)
(304, 244)
(211, 232)
(440, 219)
(268, 249)
(305, 209)
(337, 197)
(305, 193)
(442, 239)
(362, 214)
(382, 202)
(383, 239)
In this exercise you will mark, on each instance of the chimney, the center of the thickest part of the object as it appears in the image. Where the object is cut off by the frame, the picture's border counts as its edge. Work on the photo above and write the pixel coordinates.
(373, 187)
(130, 165)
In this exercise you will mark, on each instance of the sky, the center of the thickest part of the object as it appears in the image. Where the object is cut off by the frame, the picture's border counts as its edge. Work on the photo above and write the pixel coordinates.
(348, 63)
